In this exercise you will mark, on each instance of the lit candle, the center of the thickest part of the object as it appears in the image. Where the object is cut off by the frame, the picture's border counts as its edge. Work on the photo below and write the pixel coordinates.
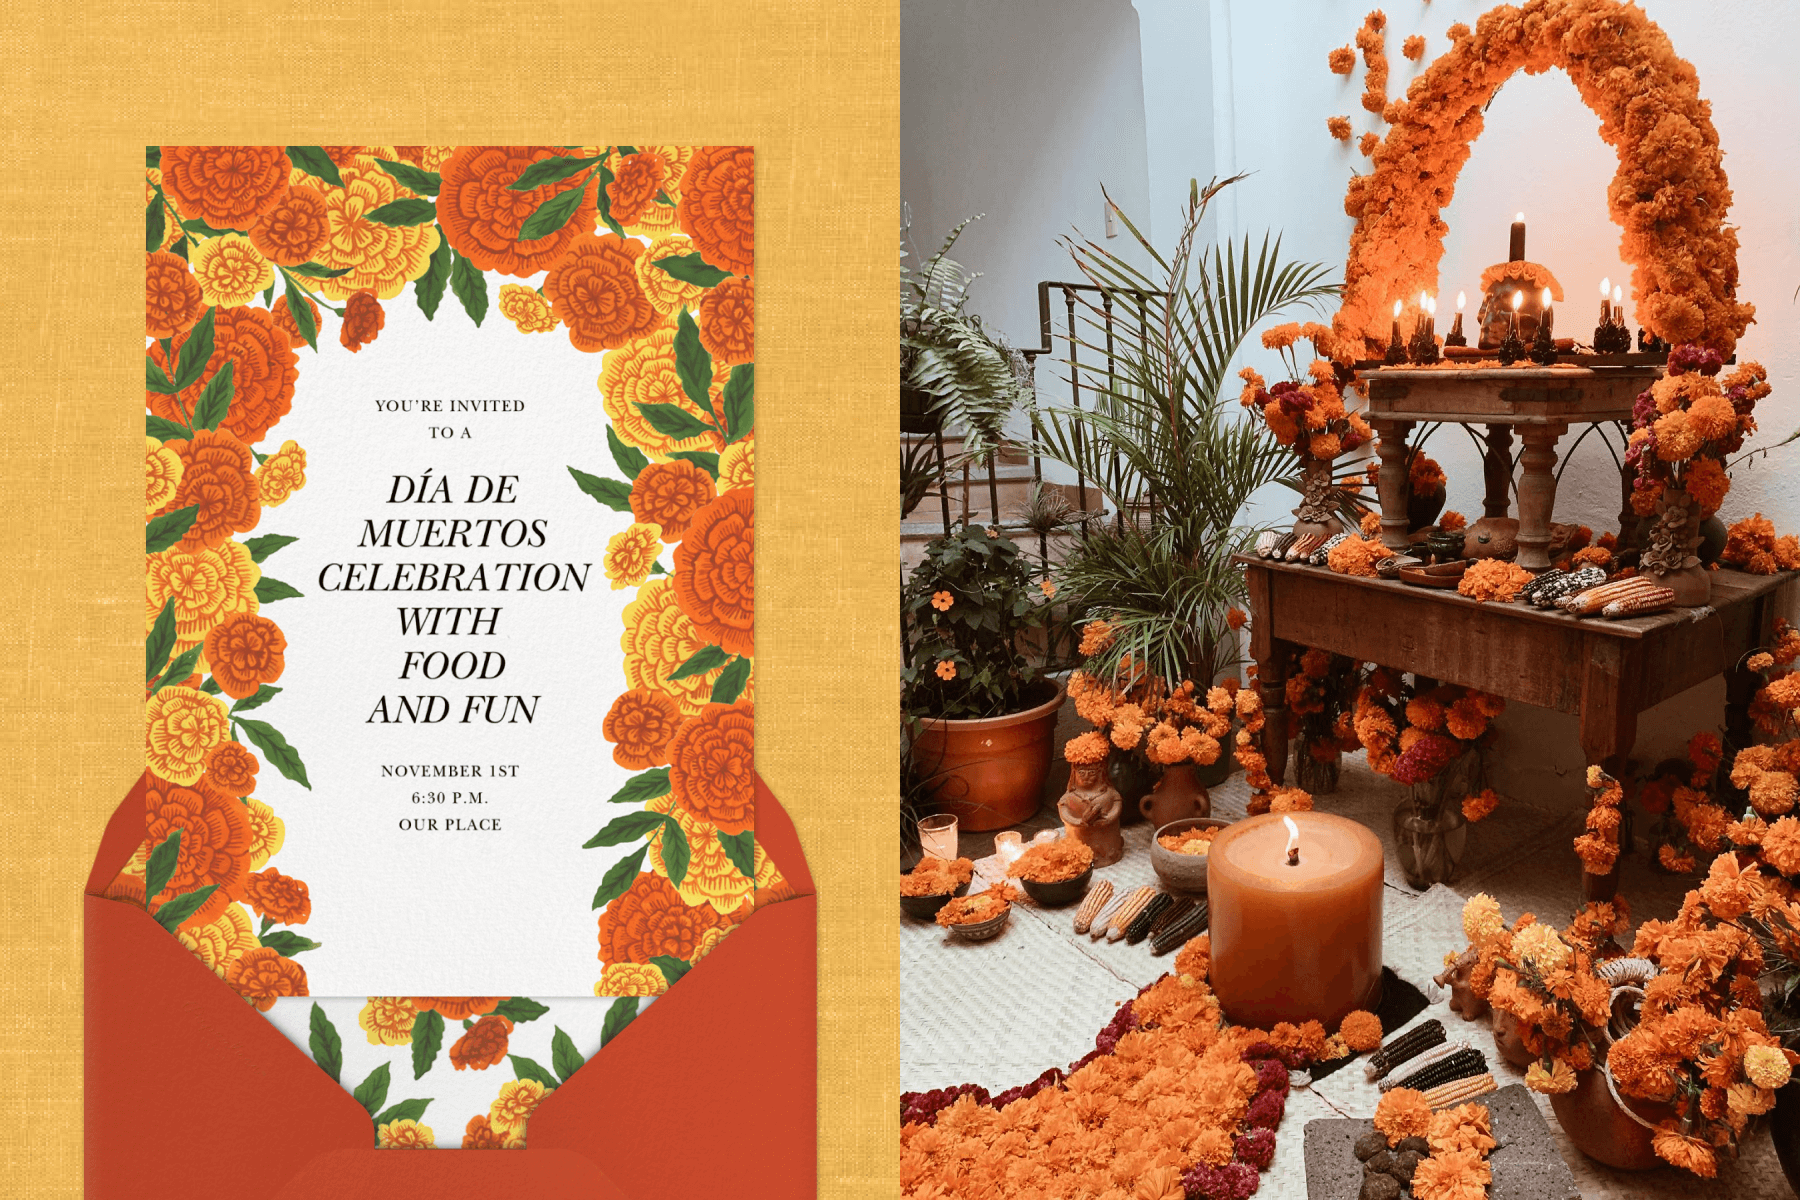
(1396, 351)
(1618, 306)
(1455, 337)
(1511, 351)
(1516, 253)
(937, 836)
(1008, 847)
(1605, 298)
(1296, 918)
(1547, 315)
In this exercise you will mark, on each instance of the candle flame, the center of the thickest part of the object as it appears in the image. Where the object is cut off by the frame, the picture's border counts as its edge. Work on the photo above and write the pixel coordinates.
(1293, 845)
(1396, 310)
(1422, 299)
(1605, 288)
(1431, 306)
(1519, 217)
(1518, 298)
(1462, 298)
(1618, 294)
(1546, 298)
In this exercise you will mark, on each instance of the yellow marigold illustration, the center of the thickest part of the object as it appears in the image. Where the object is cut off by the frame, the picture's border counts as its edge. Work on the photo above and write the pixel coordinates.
(630, 979)
(162, 474)
(709, 941)
(267, 832)
(381, 259)
(658, 638)
(771, 884)
(406, 1135)
(282, 474)
(643, 372)
(526, 308)
(737, 466)
(426, 158)
(207, 586)
(225, 938)
(231, 271)
(181, 725)
(711, 877)
(509, 1112)
(388, 1020)
(631, 553)
(667, 293)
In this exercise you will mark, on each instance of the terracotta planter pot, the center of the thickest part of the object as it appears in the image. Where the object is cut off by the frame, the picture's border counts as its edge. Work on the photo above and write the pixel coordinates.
(1177, 796)
(990, 772)
(1508, 1042)
(1601, 1130)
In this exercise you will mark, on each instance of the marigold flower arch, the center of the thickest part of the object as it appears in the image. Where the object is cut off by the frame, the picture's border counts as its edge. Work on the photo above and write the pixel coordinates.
(1669, 196)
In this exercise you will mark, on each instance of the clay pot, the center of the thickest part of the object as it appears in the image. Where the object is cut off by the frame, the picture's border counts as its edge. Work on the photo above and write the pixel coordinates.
(1601, 1130)
(1181, 874)
(990, 772)
(1600, 887)
(1492, 537)
(1784, 1131)
(1177, 795)
(1317, 513)
(1090, 812)
(1132, 775)
(1507, 1041)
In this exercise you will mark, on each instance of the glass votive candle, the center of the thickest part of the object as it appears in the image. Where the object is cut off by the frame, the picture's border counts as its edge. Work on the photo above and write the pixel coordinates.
(937, 836)
(1008, 846)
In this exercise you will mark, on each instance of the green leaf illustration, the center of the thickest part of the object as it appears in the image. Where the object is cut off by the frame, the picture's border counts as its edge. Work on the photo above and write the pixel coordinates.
(674, 421)
(315, 161)
(639, 788)
(693, 364)
(524, 1068)
(550, 170)
(691, 268)
(520, 1009)
(706, 460)
(603, 201)
(610, 492)
(672, 968)
(429, 290)
(427, 1040)
(619, 877)
(740, 848)
(627, 828)
(288, 943)
(164, 531)
(156, 381)
(327, 1048)
(161, 641)
(211, 686)
(257, 699)
(275, 748)
(705, 659)
(629, 458)
(205, 230)
(302, 314)
(156, 223)
(195, 353)
(624, 1010)
(315, 271)
(551, 215)
(470, 286)
(730, 683)
(153, 156)
(372, 1092)
(401, 213)
(261, 547)
(406, 1110)
(215, 398)
(269, 590)
(740, 402)
(174, 912)
(675, 853)
(162, 865)
(412, 178)
(180, 669)
(564, 1056)
(165, 430)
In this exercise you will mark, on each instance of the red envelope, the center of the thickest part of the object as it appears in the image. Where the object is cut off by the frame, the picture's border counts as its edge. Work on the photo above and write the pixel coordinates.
(191, 1092)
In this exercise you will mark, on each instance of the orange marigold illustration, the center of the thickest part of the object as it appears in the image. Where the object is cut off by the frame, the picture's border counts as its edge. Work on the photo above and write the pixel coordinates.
(651, 920)
(405, 1134)
(483, 1046)
(263, 976)
(379, 258)
(641, 725)
(526, 308)
(282, 474)
(218, 942)
(284, 320)
(482, 215)
(636, 180)
(267, 832)
(711, 763)
(182, 724)
(245, 651)
(278, 897)
(263, 372)
(388, 1020)
(728, 320)
(668, 294)
(643, 372)
(509, 1112)
(292, 232)
(711, 878)
(669, 494)
(717, 208)
(457, 1008)
(715, 571)
(595, 291)
(218, 476)
(480, 1134)
(737, 466)
(630, 979)
(172, 300)
(162, 475)
(658, 219)
(658, 639)
(228, 187)
(363, 319)
(206, 585)
(231, 769)
(426, 158)
(631, 553)
(215, 842)
(230, 270)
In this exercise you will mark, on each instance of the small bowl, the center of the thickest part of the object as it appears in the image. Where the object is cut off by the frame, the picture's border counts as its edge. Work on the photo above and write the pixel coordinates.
(1182, 873)
(1061, 893)
(981, 931)
(925, 908)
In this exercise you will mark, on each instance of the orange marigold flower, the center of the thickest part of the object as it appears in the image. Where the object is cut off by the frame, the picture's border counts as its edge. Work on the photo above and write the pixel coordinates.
(1493, 579)
(1402, 1113)
(457, 1008)
(181, 725)
(264, 370)
(1339, 127)
(284, 320)
(363, 319)
(228, 187)
(1691, 1154)
(717, 208)
(1236, 618)
(245, 652)
(1361, 1031)
(636, 181)
(172, 301)
(595, 291)
(215, 841)
(711, 763)
(1048, 587)
(1413, 47)
(231, 769)
(293, 230)
(1341, 60)
(272, 894)
(728, 320)
(1096, 636)
(651, 920)
(641, 725)
(483, 1046)
(669, 494)
(482, 215)
(217, 476)
(426, 158)
(1480, 805)
(526, 308)
(715, 578)
(264, 975)
(376, 257)
(480, 1134)
(1357, 556)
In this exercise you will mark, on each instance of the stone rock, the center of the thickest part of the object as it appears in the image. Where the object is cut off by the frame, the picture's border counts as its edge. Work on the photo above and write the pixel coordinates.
(1383, 1162)
(1405, 1163)
(1415, 1144)
(1379, 1187)
(1369, 1145)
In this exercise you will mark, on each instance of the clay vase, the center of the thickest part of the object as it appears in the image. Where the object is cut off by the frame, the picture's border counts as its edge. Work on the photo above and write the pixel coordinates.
(1601, 1130)
(990, 771)
(1177, 796)
(1600, 887)
(1317, 512)
(1090, 812)
(1130, 773)
(1784, 1131)
(1671, 552)
(1507, 1042)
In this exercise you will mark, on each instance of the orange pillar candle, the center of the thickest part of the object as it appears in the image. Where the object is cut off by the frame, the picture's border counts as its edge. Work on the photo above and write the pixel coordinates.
(1295, 942)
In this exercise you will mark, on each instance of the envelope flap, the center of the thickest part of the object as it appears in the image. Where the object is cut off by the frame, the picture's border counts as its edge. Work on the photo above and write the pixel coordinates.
(124, 834)
(775, 830)
(477, 1175)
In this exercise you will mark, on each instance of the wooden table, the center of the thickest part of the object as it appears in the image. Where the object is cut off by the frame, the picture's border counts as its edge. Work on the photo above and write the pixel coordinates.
(1607, 672)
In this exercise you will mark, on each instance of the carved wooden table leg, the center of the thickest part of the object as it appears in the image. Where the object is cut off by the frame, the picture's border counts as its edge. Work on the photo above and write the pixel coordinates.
(1496, 472)
(1391, 483)
(1609, 713)
(1270, 656)
(1537, 493)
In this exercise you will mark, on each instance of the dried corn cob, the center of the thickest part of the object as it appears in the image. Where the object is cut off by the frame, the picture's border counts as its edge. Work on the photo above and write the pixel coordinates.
(1178, 932)
(1460, 1064)
(1172, 914)
(1404, 1048)
(1128, 911)
(1524, 594)
(1640, 604)
(1547, 594)
(1462, 1090)
(1140, 925)
(1419, 1062)
(1317, 557)
(1281, 545)
(1266, 541)
(1590, 602)
(1090, 908)
(1098, 926)
(1304, 546)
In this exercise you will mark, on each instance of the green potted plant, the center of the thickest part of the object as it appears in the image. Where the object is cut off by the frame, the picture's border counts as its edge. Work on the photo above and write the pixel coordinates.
(979, 710)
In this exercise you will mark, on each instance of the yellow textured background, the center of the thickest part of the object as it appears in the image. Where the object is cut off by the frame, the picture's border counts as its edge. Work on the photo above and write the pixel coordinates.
(813, 86)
